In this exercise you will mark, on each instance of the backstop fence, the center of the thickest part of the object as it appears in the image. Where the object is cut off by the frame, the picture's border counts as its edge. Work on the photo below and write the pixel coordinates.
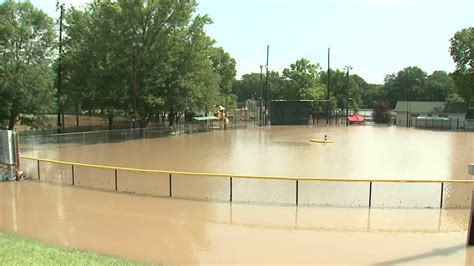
(257, 189)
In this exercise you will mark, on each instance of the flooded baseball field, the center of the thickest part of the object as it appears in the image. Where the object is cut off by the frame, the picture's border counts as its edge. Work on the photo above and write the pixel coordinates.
(332, 223)
(358, 153)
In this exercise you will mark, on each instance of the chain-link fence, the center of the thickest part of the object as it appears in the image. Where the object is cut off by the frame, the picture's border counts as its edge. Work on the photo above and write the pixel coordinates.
(256, 189)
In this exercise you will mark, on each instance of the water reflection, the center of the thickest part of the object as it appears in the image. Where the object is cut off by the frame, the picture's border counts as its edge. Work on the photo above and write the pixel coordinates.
(181, 231)
(358, 152)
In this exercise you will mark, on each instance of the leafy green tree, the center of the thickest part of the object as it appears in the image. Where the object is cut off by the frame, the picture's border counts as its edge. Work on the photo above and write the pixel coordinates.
(338, 89)
(151, 36)
(337, 86)
(26, 78)
(439, 86)
(373, 94)
(77, 62)
(462, 51)
(248, 87)
(407, 85)
(193, 83)
(142, 59)
(224, 66)
(381, 113)
(304, 81)
(279, 88)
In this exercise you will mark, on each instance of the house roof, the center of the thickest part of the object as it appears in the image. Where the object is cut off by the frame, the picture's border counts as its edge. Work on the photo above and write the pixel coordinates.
(431, 107)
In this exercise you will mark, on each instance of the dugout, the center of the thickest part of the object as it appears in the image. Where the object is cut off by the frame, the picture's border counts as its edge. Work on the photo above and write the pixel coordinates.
(284, 112)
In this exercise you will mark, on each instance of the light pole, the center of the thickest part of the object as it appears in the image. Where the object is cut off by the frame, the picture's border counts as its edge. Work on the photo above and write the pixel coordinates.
(266, 87)
(60, 124)
(329, 79)
(261, 95)
(408, 125)
(347, 93)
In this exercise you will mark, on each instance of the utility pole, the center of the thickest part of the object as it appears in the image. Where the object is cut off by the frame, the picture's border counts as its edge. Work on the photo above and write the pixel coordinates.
(406, 99)
(134, 89)
(226, 107)
(260, 118)
(347, 94)
(60, 124)
(327, 92)
(266, 86)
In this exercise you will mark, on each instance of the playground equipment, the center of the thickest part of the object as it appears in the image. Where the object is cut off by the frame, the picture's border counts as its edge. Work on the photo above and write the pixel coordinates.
(220, 114)
(8, 155)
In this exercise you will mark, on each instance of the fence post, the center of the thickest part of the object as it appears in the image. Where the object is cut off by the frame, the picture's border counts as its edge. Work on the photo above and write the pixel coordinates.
(39, 174)
(231, 189)
(296, 191)
(171, 194)
(470, 229)
(116, 186)
(72, 174)
(370, 194)
(246, 117)
(441, 199)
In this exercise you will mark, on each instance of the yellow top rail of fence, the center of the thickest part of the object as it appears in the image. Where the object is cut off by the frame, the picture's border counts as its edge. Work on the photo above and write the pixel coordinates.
(294, 178)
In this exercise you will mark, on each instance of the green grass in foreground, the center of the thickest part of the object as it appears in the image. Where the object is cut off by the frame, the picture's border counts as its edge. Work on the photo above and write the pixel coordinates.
(15, 250)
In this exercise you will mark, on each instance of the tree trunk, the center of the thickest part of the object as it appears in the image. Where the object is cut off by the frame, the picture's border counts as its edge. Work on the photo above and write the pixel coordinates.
(13, 118)
(110, 117)
(77, 117)
(12, 121)
(147, 120)
(171, 117)
(62, 122)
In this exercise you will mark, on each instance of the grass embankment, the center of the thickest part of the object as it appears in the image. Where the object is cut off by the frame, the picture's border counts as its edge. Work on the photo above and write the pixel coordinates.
(16, 250)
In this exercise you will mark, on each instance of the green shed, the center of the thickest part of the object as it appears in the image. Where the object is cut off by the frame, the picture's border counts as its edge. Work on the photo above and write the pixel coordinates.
(285, 112)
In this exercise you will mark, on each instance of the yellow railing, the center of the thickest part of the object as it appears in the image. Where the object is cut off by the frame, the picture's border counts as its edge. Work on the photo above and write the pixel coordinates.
(225, 175)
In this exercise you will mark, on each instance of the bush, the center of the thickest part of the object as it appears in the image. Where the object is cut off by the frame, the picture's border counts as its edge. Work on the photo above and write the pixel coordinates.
(380, 113)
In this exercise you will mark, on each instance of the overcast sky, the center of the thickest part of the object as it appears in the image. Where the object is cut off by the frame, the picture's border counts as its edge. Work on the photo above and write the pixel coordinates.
(375, 37)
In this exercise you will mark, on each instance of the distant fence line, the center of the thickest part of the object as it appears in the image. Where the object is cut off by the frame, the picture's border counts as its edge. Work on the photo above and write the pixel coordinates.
(238, 120)
(29, 142)
(228, 186)
(446, 124)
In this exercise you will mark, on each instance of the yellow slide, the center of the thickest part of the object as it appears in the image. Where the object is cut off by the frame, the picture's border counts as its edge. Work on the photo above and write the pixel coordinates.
(221, 116)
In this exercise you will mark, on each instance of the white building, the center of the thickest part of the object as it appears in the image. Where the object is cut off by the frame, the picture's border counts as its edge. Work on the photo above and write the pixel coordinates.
(430, 114)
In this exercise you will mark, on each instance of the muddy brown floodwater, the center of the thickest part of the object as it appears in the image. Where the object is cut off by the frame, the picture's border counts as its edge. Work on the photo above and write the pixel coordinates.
(175, 231)
(358, 153)
(269, 229)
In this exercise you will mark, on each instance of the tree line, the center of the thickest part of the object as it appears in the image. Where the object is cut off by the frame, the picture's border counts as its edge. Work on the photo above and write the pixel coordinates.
(150, 59)
(139, 59)
(304, 80)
